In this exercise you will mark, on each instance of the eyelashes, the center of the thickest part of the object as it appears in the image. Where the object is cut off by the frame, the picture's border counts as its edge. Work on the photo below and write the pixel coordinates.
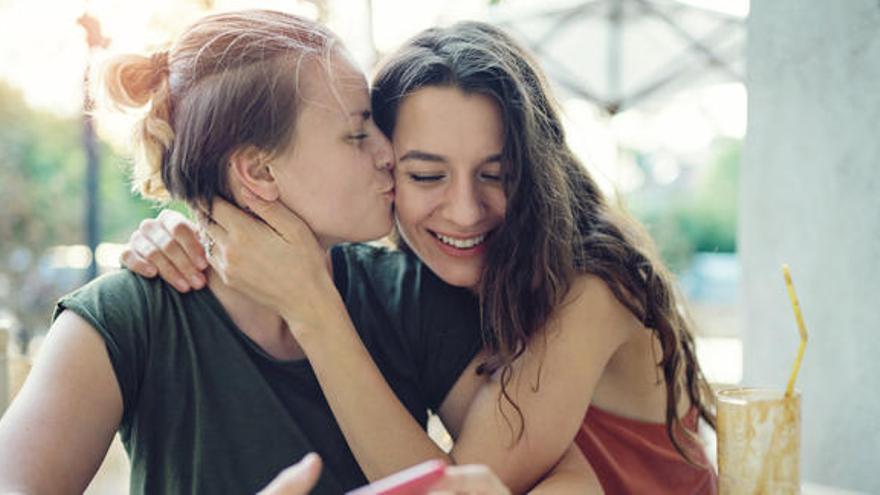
(427, 178)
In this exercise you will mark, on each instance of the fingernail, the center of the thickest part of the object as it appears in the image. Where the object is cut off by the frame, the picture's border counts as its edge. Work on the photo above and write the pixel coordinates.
(202, 263)
(181, 286)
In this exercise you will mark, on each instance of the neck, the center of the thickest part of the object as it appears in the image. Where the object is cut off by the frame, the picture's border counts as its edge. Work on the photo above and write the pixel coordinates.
(259, 322)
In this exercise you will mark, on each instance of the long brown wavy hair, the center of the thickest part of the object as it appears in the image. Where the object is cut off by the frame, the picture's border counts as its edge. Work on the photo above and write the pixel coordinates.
(558, 223)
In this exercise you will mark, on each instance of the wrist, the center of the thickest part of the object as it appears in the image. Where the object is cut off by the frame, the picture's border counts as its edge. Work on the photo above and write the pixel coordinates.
(327, 322)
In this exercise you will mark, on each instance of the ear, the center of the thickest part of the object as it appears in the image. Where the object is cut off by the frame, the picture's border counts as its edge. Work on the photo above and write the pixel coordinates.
(249, 167)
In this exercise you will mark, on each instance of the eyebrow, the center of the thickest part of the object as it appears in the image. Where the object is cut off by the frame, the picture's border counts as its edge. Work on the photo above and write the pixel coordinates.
(433, 157)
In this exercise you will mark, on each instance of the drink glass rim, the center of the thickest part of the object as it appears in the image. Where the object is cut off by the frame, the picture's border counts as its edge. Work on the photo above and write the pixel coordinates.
(745, 395)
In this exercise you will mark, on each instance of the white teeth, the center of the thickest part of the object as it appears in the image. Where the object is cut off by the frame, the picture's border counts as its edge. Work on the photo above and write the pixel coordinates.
(461, 243)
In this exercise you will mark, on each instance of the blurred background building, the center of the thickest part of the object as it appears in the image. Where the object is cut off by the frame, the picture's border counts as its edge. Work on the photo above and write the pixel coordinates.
(654, 94)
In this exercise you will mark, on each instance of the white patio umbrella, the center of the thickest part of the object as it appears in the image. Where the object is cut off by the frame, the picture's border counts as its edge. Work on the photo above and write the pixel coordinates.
(618, 53)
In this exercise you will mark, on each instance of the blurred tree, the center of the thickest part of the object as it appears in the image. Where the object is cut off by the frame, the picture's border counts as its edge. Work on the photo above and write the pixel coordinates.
(708, 219)
(697, 212)
(42, 165)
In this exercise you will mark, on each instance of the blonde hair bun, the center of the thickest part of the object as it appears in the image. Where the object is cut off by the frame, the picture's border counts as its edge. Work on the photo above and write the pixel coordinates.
(132, 82)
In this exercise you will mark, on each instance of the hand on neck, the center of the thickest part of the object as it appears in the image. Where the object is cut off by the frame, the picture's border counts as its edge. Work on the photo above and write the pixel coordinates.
(259, 322)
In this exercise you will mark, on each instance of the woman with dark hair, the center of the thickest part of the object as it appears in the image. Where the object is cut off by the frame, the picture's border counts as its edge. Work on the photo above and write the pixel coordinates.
(561, 248)
(210, 390)
(585, 337)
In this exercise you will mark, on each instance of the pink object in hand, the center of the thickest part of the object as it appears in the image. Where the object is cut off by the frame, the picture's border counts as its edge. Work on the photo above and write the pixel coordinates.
(410, 481)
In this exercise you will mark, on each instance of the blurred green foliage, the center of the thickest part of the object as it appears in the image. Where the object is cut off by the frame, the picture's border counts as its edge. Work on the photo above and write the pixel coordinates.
(42, 171)
(697, 212)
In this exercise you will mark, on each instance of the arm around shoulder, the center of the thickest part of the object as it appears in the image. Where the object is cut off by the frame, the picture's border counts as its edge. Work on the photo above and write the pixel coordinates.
(56, 432)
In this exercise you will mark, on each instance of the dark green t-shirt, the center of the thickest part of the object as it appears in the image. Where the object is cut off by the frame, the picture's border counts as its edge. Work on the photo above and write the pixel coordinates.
(206, 410)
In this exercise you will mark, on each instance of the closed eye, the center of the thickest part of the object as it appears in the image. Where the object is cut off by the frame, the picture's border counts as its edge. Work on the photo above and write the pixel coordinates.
(425, 177)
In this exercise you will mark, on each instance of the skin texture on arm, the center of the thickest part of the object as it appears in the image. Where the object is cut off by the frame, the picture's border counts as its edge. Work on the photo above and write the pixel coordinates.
(59, 427)
(571, 475)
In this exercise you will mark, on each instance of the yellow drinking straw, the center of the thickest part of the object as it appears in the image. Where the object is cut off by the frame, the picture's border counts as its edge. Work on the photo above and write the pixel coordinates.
(802, 329)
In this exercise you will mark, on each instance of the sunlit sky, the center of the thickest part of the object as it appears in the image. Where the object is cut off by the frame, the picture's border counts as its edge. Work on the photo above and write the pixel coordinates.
(44, 55)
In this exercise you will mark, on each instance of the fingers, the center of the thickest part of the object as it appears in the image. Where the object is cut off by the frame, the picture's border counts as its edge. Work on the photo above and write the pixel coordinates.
(150, 252)
(284, 221)
(186, 234)
(229, 216)
(217, 242)
(136, 263)
(169, 233)
(220, 236)
(297, 479)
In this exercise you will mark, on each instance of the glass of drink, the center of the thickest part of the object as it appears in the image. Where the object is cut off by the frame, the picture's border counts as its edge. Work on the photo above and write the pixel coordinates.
(759, 433)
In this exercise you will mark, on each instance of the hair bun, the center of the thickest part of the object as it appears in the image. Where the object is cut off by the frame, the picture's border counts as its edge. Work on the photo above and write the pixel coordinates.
(132, 80)
(159, 64)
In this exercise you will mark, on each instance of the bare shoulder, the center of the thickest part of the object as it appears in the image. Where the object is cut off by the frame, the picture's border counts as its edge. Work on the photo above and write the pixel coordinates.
(65, 415)
(591, 305)
(584, 332)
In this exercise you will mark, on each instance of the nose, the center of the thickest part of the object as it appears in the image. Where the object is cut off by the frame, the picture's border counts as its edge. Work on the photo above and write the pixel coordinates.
(463, 204)
(383, 154)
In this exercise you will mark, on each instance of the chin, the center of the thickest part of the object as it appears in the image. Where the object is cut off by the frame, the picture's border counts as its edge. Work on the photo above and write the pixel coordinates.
(376, 231)
(457, 278)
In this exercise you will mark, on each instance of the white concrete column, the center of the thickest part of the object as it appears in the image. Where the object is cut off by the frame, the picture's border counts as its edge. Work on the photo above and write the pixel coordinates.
(810, 196)
(4, 370)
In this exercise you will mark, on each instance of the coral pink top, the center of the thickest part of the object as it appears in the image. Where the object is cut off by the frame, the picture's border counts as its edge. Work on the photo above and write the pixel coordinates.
(632, 456)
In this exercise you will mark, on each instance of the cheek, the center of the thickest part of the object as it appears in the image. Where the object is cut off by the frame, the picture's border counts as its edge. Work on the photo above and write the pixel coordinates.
(403, 207)
(292, 186)
(345, 173)
(495, 200)
(398, 178)
(500, 204)
(310, 184)
(359, 169)
(411, 207)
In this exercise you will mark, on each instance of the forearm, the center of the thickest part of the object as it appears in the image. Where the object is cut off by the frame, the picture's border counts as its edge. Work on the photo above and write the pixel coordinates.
(567, 482)
(382, 434)
(521, 454)
(572, 474)
(24, 477)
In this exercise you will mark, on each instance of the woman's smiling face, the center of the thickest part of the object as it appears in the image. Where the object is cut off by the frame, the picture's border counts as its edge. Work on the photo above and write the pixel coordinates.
(448, 179)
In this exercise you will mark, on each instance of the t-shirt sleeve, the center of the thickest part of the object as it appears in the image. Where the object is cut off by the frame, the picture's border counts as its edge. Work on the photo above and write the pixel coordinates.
(449, 335)
(115, 305)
